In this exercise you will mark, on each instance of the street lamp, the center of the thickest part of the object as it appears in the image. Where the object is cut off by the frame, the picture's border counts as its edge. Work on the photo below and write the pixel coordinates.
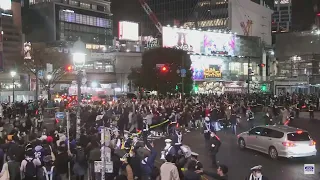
(79, 60)
(49, 77)
(13, 74)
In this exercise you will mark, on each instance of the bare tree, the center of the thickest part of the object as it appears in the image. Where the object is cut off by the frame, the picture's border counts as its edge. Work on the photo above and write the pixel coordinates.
(36, 59)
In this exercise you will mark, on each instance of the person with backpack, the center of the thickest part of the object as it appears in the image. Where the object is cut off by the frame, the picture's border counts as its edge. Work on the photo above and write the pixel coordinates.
(48, 171)
(80, 163)
(29, 166)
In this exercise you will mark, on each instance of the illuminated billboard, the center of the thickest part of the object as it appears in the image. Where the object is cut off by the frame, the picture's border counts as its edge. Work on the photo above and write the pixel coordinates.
(206, 67)
(5, 4)
(200, 42)
(128, 31)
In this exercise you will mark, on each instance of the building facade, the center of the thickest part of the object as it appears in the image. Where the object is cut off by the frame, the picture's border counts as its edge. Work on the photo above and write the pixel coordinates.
(67, 20)
(282, 16)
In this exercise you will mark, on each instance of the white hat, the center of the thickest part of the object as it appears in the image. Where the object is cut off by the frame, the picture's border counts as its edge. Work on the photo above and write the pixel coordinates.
(259, 167)
(207, 119)
(168, 141)
(194, 154)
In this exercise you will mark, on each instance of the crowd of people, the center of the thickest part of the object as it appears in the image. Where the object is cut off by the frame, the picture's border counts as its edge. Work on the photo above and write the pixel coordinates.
(32, 151)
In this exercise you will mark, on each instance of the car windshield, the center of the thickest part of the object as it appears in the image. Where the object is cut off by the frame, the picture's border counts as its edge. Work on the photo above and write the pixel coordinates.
(304, 136)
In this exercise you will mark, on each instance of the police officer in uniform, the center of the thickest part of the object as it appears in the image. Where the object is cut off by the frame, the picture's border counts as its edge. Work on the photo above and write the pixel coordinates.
(145, 131)
(177, 139)
(256, 174)
(207, 130)
(168, 149)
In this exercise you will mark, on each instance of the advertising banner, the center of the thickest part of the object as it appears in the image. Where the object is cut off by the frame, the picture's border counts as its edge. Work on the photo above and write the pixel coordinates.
(185, 39)
(200, 42)
(128, 31)
(206, 67)
(5, 4)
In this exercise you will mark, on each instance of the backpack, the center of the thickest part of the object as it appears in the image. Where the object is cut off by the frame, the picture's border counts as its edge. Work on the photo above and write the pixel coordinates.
(81, 157)
(48, 175)
(30, 170)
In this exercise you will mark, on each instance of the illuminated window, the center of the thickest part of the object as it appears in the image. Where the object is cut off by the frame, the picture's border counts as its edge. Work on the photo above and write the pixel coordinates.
(205, 3)
(211, 23)
(83, 19)
(94, 7)
(235, 67)
(85, 5)
(74, 3)
(281, 1)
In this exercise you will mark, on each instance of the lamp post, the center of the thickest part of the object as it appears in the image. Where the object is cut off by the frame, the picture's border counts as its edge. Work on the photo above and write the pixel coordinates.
(13, 74)
(79, 59)
(49, 77)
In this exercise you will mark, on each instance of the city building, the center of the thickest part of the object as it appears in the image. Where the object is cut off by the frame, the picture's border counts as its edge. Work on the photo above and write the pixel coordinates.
(245, 17)
(67, 20)
(297, 63)
(282, 16)
(11, 41)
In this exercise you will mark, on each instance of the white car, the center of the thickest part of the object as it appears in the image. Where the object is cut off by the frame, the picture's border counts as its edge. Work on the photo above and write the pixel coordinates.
(278, 141)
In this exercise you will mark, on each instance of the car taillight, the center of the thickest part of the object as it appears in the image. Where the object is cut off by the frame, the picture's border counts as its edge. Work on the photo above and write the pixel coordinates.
(288, 144)
(312, 143)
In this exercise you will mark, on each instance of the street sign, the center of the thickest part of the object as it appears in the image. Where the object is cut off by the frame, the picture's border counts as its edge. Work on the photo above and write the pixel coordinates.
(183, 71)
(98, 167)
(59, 115)
(40, 74)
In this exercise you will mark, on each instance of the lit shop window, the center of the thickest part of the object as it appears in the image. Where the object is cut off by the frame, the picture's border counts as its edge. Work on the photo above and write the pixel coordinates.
(94, 7)
(215, 22)
(235, 67)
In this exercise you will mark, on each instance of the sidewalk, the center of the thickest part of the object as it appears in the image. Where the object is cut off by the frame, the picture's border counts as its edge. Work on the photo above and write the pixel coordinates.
(305, 115)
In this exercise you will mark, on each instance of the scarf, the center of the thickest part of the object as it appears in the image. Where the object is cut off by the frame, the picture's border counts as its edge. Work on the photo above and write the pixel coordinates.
(253, 178)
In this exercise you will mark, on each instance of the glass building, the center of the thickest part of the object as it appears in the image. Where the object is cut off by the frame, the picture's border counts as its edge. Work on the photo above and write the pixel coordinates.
(67, 20)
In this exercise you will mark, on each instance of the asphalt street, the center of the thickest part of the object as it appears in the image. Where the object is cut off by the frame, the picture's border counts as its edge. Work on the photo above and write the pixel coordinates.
(240, 161)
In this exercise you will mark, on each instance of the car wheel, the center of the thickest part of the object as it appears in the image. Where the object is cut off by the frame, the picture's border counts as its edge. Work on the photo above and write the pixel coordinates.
(241, 143)
(273, 153)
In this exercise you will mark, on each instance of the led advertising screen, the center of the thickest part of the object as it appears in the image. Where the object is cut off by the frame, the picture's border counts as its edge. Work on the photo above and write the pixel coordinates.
(206, 67)
(128, 31)
(5, 4)
(200, 42)
(188, 40)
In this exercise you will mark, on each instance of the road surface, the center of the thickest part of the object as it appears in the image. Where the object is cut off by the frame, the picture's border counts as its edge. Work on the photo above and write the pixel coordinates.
(240, 162)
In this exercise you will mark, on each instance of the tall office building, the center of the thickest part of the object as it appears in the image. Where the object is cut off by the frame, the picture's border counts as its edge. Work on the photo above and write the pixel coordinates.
(10, 36)
(67, 20)
(282, 16)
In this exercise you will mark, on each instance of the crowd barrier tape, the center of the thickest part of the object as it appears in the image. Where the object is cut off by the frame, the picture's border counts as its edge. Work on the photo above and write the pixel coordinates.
(155, 126)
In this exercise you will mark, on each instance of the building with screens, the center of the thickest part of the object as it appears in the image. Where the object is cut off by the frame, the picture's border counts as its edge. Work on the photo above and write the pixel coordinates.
(67, 20)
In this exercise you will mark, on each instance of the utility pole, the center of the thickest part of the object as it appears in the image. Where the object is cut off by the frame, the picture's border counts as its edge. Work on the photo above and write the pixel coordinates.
(249, 75)
(182, 75)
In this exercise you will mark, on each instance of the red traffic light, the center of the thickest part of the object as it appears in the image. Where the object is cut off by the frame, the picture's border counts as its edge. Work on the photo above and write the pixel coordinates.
(262, 65)
(164, 69)
(69, 68)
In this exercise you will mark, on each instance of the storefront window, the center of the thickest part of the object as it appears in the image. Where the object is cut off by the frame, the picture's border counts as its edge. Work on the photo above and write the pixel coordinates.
(235, 68)
(84, 19)
(245, 68)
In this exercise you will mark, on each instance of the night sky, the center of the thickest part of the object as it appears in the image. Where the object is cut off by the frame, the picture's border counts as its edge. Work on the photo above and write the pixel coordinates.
(129, 10)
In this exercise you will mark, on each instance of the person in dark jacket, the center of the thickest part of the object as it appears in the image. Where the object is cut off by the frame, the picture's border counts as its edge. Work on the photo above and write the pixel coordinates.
(134, 162)
(215, 144)
(147, 164)
(48, 171)
(221, 174)
(190, 174)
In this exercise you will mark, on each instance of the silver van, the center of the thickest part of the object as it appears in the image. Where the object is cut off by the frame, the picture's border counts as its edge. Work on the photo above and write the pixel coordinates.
(278, 141)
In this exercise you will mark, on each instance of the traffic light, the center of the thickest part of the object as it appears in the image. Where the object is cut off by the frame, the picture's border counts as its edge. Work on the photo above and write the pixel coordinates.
(196, 88)
(262, 65)
(164, 69)
(264, 88)
(69, 68)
